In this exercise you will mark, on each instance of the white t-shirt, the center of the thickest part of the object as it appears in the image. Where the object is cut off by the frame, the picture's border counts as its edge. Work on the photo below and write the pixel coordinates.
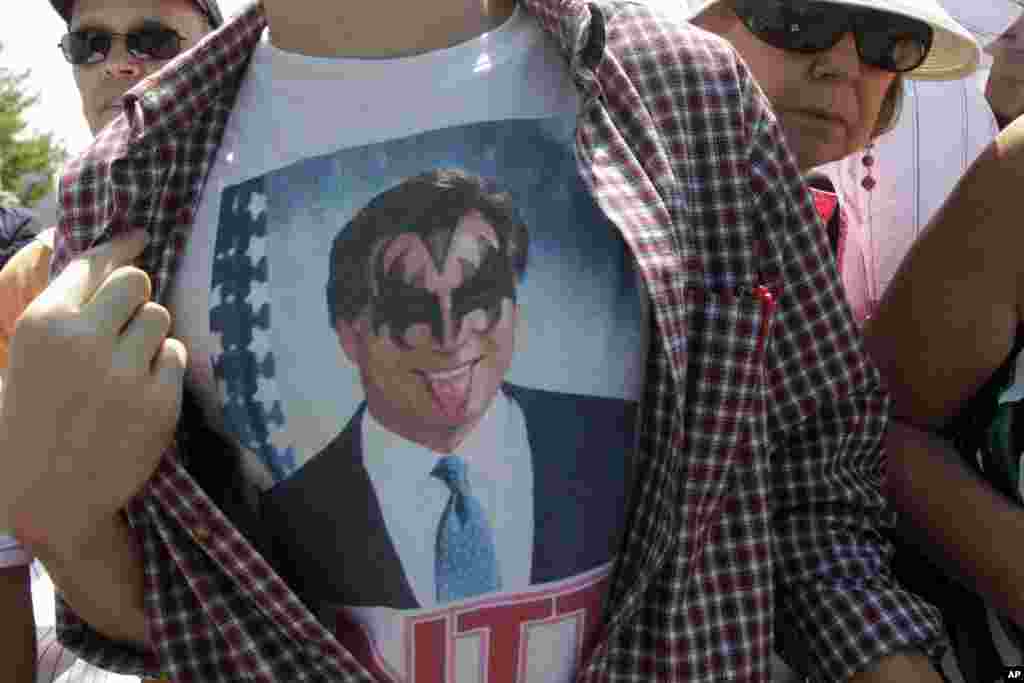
(394, 260)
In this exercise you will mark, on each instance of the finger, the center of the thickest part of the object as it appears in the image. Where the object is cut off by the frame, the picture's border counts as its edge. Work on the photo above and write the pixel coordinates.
(80, 279)
(143, 336)
(169, 369)
(22, 278)
(118, 299)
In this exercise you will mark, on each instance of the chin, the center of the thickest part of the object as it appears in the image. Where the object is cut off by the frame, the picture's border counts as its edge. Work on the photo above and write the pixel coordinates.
(811, 159)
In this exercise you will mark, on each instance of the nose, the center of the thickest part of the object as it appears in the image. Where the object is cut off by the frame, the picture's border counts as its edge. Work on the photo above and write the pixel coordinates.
(452, 332)
(119, 63)
(842, 60)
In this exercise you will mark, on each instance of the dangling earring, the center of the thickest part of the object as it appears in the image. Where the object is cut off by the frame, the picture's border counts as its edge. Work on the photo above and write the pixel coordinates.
(868, 183)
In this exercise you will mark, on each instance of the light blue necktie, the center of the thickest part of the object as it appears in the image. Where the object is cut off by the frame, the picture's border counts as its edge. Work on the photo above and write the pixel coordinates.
(466, 563)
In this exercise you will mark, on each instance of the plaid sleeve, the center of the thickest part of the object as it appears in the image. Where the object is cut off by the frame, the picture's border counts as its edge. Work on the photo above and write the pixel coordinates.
(839, 609)
(98, 650)
(12, 554)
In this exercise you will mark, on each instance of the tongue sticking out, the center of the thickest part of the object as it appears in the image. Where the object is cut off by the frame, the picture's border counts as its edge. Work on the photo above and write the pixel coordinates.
(452, 394)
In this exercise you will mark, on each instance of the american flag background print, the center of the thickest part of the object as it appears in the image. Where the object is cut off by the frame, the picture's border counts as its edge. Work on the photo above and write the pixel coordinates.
(240, 319)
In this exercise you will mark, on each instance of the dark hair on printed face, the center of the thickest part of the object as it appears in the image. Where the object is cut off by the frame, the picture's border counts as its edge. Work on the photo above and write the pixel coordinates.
(429, 205)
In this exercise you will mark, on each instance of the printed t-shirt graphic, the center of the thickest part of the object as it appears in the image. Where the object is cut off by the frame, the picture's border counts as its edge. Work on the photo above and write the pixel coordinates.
(451, 293)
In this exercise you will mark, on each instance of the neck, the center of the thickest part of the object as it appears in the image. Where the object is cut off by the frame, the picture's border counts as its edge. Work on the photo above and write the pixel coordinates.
(379, 28)
(444, 441)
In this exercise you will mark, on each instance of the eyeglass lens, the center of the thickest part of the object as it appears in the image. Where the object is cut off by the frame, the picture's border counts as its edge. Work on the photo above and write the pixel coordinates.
(93, 46)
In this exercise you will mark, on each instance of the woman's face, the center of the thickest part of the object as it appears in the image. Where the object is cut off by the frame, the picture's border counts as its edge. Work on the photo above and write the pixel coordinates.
(827, 102)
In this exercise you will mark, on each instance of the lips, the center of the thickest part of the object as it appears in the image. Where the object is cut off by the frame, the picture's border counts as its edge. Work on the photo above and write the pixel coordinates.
(450, 389)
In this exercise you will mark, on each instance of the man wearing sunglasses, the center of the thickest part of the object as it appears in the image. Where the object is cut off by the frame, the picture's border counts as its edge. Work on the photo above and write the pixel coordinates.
(112, 45)
(758, 444)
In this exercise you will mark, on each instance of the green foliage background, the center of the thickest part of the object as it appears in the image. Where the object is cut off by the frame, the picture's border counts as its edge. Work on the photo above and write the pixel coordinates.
(25, 156)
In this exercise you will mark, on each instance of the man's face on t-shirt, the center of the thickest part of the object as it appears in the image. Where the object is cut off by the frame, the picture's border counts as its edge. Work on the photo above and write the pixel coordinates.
(439, 338)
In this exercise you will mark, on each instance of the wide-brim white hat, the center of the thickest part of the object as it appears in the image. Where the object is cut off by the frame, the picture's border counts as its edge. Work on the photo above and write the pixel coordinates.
(954, 54)
(987, 20)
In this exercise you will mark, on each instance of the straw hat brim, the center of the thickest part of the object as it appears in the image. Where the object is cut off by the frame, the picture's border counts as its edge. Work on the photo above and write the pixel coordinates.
(954, 54)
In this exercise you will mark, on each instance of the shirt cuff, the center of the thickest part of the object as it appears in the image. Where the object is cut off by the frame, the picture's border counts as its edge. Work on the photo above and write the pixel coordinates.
(100, 651)
(846, 630)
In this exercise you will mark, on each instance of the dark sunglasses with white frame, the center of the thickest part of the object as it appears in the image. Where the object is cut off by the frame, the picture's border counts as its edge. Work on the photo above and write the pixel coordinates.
(885, 40)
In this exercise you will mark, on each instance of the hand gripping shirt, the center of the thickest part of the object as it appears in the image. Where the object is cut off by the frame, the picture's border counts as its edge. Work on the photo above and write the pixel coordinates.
(756, 505)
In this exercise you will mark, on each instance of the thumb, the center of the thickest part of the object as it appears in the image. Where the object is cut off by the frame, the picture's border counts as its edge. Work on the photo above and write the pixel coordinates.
(80, 279)
(169, 371)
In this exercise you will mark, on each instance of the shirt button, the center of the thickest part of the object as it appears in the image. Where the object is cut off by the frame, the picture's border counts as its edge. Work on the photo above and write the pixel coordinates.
(201, 534)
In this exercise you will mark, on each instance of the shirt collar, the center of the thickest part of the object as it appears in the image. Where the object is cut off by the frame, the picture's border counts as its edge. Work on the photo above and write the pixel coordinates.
(393, 456)
(173, 98)
(579, 28)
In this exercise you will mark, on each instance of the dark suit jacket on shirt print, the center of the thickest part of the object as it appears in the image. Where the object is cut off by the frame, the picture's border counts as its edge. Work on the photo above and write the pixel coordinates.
(328, 533)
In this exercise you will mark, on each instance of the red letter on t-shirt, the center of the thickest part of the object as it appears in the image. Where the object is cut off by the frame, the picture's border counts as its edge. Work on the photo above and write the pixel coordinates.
(503, 624)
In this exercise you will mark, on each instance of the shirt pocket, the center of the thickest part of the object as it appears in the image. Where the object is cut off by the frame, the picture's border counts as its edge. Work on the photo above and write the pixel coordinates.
(728, 334)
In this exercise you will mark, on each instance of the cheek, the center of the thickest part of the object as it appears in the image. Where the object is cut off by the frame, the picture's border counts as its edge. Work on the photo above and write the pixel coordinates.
(148, 67)
(85, 79)
(476, 321)
(418, 334)
(380, 351)
(776, 71)
(502, 336)
(873, 97)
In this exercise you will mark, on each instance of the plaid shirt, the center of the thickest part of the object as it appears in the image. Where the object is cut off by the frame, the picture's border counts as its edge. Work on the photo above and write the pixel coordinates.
(757, 505)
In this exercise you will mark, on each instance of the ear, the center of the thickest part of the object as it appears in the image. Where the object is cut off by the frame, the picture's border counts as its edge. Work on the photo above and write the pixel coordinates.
(351, 337)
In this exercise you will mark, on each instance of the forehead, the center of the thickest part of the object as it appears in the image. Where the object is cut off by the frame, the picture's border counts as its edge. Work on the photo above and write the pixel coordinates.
(125, 14)
(467, 242)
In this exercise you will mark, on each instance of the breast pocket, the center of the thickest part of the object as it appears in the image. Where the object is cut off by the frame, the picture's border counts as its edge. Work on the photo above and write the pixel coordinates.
(728, 335)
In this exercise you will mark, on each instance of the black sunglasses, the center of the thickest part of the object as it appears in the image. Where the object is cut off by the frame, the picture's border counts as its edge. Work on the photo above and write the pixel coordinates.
(884, 40)
(92, 46)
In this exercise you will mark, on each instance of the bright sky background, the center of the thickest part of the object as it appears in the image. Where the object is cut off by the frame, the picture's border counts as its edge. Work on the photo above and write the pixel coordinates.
(30, 33)
(29, 36)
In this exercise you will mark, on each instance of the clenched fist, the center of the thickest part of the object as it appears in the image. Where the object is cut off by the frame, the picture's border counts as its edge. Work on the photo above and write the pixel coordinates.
(91, 398)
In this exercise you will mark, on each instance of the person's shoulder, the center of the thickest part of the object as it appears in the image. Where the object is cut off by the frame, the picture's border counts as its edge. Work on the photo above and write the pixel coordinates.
(17, 221)
(342, 452)
(554, 403)
(663, 28)
(663, 55)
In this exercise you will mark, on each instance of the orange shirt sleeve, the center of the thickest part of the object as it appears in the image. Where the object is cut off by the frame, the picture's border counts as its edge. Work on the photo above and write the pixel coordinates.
(23, 277)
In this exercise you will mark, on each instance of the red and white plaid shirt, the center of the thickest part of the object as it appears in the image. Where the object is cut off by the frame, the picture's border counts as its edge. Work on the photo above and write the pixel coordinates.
(758, 505)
